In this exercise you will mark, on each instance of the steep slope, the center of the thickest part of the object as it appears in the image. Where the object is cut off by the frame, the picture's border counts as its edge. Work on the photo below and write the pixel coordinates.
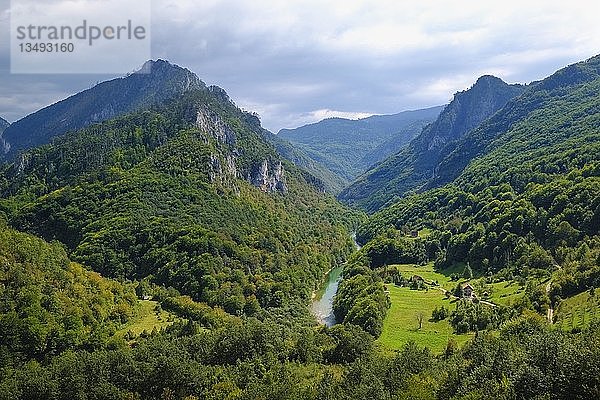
(155, 83)
(328, 181)
(412, 167)
(348, 147)
(547, 119)
(531, 201)
(188, 195)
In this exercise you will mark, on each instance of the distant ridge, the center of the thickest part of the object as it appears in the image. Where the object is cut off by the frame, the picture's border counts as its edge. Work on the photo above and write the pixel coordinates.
(348, 147)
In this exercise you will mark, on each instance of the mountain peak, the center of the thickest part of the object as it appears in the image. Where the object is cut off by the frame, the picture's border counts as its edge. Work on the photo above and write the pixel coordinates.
(489, 79)
(161, 67)
(489, 85)
(156, 82)
(150, 64)
(411, 168)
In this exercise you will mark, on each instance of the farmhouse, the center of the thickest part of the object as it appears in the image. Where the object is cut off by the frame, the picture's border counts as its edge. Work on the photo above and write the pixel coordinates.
(468, 291)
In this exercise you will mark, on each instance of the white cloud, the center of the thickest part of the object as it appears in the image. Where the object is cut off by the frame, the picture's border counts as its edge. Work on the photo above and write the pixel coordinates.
(294, 61)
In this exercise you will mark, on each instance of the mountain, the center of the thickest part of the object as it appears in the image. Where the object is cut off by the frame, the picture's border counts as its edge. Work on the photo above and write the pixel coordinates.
(412, 167)
(187, 194)
(155, 83)
(192, 209)
(349, 147)
(523, 129)
(187, 202)
(528, 197)
(3, 124)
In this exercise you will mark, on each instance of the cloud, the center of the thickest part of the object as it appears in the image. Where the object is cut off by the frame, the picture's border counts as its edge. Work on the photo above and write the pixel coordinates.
(295, 61)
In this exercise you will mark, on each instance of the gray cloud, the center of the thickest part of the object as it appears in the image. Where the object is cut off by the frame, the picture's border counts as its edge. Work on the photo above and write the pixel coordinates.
(297, 61)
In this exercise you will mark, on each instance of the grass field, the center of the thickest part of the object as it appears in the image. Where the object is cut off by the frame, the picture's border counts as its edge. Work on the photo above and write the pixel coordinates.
(425, 232)
(147, 319)
(401, 324)
(578, 311)
(504, 293)
(428, 273)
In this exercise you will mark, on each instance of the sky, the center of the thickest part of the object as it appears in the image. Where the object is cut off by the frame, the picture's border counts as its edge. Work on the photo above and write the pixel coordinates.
(297, 62)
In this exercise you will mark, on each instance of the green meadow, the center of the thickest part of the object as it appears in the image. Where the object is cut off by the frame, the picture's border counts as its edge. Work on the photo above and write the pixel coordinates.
(578, 311)
(402, 322)
(402, 325)
(147, 319)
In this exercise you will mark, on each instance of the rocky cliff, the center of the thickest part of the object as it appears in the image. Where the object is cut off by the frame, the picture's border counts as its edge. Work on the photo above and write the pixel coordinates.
(4, 146)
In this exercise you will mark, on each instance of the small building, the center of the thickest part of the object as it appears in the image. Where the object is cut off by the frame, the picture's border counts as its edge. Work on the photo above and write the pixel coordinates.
(468, 291)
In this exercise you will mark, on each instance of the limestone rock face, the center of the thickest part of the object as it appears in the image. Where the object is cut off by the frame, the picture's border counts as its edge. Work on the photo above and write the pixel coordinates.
(208, 122)
(4, 145)
(267, 175)
(269, 178)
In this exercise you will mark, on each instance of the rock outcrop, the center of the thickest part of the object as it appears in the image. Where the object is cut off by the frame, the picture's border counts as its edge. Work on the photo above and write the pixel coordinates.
(269, 177)
(4, 145)
(209, 122)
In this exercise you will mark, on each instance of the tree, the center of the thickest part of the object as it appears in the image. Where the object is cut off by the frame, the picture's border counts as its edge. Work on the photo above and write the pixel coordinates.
(458, 290)
(420, 317)
(439, 314)
(350, 343)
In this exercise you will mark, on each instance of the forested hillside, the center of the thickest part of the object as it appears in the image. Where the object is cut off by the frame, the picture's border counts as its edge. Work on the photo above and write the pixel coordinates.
(49, 305)
(415, 165)
(331, 182)
(190, 196)
(348, 147)
(529, 207)
(172, 252)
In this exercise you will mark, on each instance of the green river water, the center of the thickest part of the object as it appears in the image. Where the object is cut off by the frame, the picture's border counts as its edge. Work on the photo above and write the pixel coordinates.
(322, 303)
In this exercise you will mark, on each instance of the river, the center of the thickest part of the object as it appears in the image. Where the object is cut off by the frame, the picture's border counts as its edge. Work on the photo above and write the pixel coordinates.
(322, 302)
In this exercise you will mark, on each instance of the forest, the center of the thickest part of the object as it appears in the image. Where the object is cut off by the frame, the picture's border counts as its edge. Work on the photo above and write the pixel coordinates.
(172, 253)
